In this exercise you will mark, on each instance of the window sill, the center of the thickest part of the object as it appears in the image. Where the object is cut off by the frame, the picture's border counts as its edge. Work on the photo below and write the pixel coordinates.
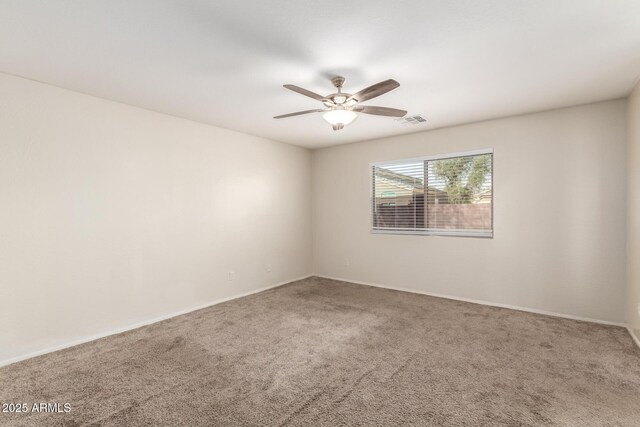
(487, 234)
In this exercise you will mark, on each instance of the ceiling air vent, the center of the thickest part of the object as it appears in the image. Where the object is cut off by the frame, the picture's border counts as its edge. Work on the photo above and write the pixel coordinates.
(413, 120)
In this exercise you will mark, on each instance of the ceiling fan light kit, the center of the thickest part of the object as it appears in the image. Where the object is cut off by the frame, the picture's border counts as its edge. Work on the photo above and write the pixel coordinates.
(339, 116)
(342, 108)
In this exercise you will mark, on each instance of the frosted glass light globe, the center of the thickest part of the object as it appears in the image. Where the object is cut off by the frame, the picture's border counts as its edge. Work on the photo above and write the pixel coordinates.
(339, 116)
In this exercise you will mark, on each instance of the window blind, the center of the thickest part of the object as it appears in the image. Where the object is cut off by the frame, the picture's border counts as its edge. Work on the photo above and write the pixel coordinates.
(438, 195)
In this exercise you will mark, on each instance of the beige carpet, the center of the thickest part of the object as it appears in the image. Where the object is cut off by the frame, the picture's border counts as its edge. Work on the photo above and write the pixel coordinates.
(320, 352)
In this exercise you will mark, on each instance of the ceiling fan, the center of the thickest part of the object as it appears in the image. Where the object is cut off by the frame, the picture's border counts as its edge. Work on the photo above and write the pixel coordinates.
(342, 108)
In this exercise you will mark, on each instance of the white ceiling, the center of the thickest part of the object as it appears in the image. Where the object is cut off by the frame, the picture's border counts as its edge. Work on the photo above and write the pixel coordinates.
(224, 62)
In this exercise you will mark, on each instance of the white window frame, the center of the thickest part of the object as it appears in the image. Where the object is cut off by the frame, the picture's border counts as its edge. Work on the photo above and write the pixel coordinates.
(431, 232)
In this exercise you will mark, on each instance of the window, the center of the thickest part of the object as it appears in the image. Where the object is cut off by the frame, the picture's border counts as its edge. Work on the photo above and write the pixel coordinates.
(446, 195)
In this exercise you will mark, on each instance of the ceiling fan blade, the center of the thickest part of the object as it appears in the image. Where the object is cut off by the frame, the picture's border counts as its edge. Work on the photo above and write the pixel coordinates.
(297, 113)
(380, 111)
(305, 92)
(375, 90)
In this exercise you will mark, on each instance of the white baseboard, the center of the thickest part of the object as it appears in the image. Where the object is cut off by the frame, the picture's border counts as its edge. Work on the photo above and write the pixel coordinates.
(209, 304)
(636, 339)
(137, 325)
(475, 301)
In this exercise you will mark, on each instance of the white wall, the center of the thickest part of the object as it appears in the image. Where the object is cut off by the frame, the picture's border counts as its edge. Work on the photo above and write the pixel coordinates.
(559, 213)
(633, 212)
(112, 215)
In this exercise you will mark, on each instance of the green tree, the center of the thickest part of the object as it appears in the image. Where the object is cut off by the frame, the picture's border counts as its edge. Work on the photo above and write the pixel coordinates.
(463, 176)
